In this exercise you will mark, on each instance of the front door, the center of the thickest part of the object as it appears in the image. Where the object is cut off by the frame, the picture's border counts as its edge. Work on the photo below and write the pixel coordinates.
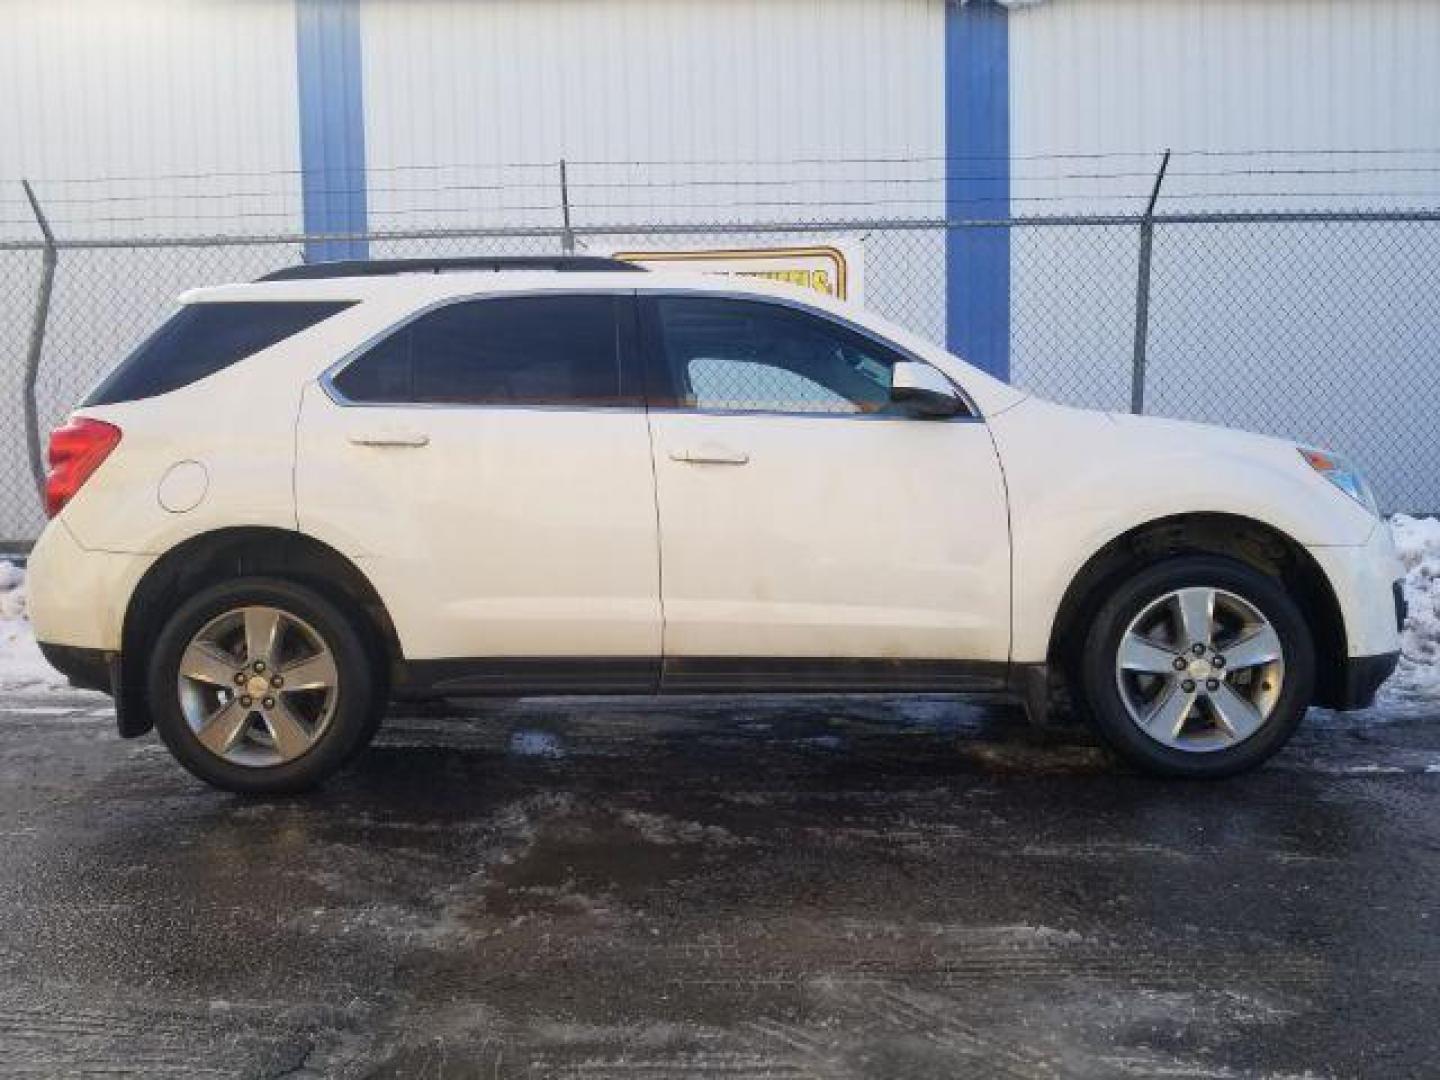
(809, 528)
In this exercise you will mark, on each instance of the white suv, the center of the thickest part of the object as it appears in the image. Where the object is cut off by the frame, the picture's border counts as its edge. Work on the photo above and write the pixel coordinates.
(344, 483)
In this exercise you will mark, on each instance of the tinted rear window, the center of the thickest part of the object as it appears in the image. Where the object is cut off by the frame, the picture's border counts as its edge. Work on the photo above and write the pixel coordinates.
(202, 339)
(536, 350)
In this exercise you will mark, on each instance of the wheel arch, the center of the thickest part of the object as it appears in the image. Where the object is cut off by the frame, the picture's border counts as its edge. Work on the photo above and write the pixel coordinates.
(1247, 540)
(216, 556)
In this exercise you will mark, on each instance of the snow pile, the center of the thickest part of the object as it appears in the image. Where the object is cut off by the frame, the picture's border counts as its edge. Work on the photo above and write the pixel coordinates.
(1417, 540)
(21, 664)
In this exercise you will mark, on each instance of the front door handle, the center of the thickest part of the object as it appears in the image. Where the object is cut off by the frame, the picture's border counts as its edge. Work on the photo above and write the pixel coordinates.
(389, 437)
(710, 454)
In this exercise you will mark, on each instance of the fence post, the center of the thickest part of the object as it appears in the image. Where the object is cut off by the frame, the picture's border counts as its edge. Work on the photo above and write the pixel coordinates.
(37, 341)
(567, 234)
(1142, 294)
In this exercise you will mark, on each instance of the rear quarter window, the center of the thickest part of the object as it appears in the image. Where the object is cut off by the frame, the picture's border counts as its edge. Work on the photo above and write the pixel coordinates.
(201, 339)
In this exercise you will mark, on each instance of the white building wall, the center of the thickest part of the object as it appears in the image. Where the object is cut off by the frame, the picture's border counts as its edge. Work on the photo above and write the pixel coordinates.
(678, 95)
(136, 116)
(1131, 77)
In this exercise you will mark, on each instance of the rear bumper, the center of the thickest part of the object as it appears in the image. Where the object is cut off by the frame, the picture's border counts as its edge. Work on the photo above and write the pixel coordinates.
(99, 669)
(1362, 678)
(89, 669)
(77, 597)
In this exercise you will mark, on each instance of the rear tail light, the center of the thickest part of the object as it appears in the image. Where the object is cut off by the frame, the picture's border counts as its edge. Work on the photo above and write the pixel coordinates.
(76, 451)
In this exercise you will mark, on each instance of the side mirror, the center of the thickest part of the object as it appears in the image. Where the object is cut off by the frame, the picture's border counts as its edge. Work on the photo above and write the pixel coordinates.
(923, 391)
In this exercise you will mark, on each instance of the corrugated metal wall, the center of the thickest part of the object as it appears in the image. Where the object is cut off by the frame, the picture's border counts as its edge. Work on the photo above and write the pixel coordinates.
(103, 96)
(187, 90)
(665, 108)
(1131, 77)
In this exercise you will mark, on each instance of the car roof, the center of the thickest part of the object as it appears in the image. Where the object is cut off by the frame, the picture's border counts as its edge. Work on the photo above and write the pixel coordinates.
(428, 287)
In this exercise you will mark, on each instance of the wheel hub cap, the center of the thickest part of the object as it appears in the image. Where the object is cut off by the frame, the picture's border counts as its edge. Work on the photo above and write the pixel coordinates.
(258, 686)
(1200, 669)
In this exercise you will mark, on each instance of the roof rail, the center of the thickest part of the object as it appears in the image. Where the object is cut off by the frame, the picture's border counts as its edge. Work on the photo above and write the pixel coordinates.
(496, 263)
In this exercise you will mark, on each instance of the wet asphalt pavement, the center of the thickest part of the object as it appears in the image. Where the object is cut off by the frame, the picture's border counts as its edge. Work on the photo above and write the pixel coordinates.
(742, 888)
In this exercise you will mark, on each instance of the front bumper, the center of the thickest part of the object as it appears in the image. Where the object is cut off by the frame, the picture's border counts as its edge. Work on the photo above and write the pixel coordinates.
(1362, 678)
(1363, 578)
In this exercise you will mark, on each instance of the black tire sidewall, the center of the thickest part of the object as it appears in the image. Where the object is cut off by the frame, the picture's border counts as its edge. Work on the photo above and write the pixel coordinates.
(1129, 598)
(355, 713)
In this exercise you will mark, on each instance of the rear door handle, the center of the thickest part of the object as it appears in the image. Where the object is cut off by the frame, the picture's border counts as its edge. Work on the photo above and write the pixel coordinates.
(389, 437)
(710, 454)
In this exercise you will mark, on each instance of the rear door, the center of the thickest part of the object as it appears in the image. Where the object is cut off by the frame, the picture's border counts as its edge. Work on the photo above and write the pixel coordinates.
(488, 464)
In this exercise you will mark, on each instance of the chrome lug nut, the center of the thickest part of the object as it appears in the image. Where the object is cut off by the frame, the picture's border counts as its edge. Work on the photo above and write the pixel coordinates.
(277, 682)
(268, 703)
(1212, 685)
(239, 678)
(1188, 686)
(259, 665)
(246, 700)
(1217, 660)
(1198, 649)
(1179, 665)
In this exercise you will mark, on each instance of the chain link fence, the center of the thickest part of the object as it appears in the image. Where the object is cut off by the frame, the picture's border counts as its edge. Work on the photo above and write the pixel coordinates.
(1315, 326)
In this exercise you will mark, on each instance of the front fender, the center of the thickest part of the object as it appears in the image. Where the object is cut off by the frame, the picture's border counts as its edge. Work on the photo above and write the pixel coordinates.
(1078, 480)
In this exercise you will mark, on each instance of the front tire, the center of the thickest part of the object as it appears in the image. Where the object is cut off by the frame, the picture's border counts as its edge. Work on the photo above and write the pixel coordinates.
(262, 686)
(1198, 666)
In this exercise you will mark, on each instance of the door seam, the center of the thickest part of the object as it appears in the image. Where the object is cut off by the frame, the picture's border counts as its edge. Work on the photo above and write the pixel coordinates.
(641, 348)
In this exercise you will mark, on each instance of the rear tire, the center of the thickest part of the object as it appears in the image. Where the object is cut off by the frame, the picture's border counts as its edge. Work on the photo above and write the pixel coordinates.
(1197, 666)
(263, 686)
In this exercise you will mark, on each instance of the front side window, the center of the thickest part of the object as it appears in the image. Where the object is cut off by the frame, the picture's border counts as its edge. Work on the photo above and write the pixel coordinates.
(529, 350)
(741, 355)
(201, 339)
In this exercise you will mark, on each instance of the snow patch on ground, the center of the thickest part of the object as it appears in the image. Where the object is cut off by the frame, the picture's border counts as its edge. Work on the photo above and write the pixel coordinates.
(664, 831)
(21, 665)
(542, 744)
(1417, 540)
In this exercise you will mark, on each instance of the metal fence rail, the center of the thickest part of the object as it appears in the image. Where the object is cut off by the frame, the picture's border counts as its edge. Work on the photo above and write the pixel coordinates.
(1317, 326)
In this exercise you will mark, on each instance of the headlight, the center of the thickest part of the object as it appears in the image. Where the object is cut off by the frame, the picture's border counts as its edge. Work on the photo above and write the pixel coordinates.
(1342, 474)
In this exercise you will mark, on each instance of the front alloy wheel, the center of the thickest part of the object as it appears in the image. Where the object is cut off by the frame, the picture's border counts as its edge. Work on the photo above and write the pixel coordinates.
(1200, 669)
(1197, 666)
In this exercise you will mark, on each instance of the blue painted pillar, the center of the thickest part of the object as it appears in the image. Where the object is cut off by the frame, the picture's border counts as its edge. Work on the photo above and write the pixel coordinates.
(977, 182)
(332, 126)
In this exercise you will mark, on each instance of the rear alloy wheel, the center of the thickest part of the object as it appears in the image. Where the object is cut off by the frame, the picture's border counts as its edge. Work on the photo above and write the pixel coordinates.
(261, 685)
(1198, 666)
(257, 686)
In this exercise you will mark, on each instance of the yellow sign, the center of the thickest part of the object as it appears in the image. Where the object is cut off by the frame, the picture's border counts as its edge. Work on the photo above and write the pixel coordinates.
(832, 269)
